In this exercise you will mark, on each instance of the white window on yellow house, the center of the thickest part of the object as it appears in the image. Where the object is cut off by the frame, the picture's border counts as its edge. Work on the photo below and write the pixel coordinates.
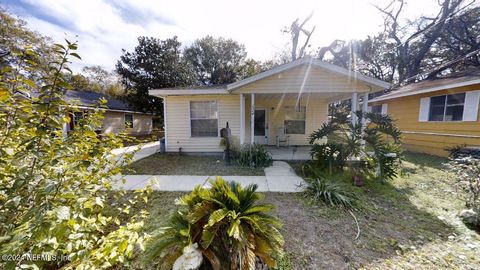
(447, 107)
(380, 109)
(203, 119)
(295, 117)
(451, 107)
(128, 120)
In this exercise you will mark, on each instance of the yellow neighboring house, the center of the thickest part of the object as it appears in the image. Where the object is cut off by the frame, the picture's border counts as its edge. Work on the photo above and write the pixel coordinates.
(436, 114)
(281, 106)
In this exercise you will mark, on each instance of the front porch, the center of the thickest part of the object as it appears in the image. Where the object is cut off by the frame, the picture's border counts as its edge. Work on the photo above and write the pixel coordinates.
(284, 121)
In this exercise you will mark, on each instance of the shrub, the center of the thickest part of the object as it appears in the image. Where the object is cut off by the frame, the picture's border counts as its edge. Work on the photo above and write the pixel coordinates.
(329, 157)
(54, 189)
(329, 190)
(377, 143)
(253, 155)
(232, 229)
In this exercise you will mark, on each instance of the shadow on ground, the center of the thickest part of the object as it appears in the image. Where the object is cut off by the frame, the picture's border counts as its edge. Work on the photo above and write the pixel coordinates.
(407, 223)
(320, 237)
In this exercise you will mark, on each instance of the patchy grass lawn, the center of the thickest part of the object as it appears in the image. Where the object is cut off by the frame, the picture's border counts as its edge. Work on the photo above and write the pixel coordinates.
(175, 164)
(409, 223)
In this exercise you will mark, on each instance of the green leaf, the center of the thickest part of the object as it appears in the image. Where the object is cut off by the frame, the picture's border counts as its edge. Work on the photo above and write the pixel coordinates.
(234, 229)
(217, 216)
(30, 83)
(76, 56)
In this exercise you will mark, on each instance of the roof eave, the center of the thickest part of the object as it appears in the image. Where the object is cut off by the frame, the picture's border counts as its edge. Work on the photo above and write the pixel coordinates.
(310, 61)
(186, 92)
(426, 90)
(83, 107)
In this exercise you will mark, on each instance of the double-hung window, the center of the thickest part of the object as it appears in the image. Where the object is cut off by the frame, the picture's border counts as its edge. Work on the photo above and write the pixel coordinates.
(295, 120)
(203, 118)
(447, 107)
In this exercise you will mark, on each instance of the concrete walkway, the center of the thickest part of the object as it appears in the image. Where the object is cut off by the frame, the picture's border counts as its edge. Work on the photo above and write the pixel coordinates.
(290, 152)
(143, 151)
(279, 177)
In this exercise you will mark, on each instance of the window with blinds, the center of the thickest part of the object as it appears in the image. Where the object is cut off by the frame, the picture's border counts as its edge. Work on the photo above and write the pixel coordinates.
(203, 118)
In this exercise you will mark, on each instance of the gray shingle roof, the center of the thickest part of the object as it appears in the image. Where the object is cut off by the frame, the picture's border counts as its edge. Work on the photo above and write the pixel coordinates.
(90, 99)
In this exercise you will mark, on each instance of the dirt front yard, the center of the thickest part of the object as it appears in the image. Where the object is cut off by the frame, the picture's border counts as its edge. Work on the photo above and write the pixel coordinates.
(409, 223)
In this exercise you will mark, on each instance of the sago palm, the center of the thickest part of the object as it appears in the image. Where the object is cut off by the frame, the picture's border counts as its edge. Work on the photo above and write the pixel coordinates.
(233, 230)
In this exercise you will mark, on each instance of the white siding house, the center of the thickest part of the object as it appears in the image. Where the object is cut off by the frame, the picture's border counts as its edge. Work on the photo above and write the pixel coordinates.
(289, 101)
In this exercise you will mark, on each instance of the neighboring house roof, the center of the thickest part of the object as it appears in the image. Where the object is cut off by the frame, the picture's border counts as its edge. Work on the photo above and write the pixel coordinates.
(87, 99)
(229, 88)
(90, 99)
(426, 86)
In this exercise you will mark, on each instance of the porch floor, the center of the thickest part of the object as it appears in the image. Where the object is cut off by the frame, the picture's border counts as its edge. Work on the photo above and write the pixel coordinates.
(290, 152)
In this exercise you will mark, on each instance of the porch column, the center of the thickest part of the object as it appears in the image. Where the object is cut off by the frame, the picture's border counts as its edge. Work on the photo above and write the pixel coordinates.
(354, 108)
(252, 118)
(365, 107)
(364, 120)
(242, 119)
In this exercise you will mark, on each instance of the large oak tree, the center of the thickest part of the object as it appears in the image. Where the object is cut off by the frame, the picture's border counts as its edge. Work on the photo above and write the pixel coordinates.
(218, 60)
(154, 63)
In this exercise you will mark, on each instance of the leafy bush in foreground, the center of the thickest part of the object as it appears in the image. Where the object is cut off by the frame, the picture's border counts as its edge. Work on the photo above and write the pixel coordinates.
(233, 231)
(54, 188)
(253, 155)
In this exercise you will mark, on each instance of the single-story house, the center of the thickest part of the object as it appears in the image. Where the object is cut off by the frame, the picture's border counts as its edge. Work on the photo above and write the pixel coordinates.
(118, 115)
(436, 114)
(282, 105)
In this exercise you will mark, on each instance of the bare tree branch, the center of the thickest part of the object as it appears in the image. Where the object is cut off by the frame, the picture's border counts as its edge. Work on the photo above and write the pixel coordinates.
(295, 30)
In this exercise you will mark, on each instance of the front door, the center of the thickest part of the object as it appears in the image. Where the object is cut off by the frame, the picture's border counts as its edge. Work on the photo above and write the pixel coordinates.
(260, 127)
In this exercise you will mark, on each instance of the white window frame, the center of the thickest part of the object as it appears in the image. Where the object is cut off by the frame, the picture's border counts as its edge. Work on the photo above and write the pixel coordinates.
(383, 108)
(445, 107)
(304, 120)
(125, 120)
(190, 118)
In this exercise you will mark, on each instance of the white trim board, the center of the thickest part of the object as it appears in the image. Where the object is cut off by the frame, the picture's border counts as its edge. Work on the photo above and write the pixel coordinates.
(427, 90)
(182, 92)
(441, 134)
(165, 129)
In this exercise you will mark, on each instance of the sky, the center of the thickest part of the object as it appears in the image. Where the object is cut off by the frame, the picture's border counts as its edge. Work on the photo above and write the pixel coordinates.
(104, 27)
